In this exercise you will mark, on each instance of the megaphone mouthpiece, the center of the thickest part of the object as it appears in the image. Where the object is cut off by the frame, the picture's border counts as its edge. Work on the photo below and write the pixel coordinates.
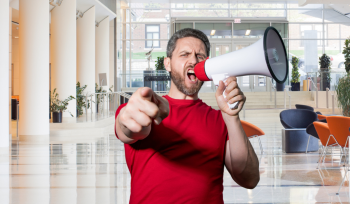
(199, 69)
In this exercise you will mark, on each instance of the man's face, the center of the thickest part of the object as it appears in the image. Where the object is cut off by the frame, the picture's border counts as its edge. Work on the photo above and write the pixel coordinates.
(188, 52)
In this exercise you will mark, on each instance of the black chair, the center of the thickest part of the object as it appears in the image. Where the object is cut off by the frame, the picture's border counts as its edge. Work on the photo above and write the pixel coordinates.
(305, 107)
(311, 129)
(295, 139)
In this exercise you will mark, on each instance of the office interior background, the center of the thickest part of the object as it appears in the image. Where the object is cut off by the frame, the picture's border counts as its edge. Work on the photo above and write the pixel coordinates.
(95, 53)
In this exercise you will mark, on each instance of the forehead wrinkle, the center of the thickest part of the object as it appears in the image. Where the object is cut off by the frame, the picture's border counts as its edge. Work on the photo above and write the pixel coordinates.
(191, 43)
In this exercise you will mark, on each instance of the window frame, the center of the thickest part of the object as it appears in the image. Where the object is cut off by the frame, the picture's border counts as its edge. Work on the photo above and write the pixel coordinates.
(146, 46)
(320, 39)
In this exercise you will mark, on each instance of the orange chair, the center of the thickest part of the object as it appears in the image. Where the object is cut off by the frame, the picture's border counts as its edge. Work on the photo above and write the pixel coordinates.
(321, 117)
(15, 97)
(339, 127)
(253, 131)
(323, 133)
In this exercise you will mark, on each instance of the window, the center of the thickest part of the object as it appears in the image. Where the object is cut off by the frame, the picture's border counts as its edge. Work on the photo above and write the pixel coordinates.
(152, 33)
(318, 28)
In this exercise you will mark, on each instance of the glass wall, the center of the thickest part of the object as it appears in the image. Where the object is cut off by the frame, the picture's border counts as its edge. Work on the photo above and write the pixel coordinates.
(311, 30)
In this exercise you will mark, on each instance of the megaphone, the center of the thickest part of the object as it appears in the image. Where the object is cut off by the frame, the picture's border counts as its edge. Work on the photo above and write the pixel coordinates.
(267, 57)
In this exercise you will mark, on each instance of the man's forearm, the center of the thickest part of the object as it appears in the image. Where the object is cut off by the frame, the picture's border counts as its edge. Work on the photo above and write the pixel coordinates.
(244, 162)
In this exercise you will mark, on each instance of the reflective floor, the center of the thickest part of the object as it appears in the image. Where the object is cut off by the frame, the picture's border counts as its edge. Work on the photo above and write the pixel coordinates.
(93, 170)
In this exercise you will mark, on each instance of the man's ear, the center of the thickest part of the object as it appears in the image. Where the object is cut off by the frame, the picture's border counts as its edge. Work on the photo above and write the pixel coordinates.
(167, 64)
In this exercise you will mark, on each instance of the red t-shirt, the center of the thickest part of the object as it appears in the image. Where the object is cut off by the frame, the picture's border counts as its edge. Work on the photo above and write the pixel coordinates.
(182, 159)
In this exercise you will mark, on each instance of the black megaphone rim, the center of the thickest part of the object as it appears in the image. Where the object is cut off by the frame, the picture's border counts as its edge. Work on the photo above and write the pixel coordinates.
(266, 55)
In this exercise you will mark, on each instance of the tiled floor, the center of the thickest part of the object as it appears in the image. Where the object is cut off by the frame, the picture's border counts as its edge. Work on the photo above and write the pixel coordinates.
(93, 170)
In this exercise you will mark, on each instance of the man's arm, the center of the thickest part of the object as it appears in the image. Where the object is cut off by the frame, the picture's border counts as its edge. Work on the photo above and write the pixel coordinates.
(240, 158)
(134, 121)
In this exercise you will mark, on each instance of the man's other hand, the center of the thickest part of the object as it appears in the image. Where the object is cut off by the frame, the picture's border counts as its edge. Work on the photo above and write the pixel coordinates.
(233, 94)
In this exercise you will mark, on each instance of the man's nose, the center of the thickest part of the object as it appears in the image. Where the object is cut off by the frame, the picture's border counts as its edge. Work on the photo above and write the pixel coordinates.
(193, 59)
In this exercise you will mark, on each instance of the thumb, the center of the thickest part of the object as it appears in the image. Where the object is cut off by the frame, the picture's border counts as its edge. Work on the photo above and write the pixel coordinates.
(147, 93)
(220, 89)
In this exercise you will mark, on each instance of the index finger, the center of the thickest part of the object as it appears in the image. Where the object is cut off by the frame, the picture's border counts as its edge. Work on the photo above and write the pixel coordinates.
(230, 79)
(148, 94)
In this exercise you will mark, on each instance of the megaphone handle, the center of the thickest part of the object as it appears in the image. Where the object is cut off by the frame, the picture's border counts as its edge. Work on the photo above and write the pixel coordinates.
(216, 79)
(233, 105)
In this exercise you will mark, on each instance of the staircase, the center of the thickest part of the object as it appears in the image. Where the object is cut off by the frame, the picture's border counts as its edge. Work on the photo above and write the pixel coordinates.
(263, 100)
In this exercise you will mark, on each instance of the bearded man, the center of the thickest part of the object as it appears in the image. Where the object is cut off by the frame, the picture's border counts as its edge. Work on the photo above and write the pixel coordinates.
(176, 146)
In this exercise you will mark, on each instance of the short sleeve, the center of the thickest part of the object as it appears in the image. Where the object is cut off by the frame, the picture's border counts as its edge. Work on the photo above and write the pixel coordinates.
(116, 115)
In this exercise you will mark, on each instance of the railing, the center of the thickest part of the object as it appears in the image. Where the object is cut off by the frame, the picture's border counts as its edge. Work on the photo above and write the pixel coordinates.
(273, 87)
(286, 92)
(100, 105)
(142, 78)
(316, 88)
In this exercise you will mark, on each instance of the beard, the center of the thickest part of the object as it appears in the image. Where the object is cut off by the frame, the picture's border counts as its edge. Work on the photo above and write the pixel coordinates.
(179, 81)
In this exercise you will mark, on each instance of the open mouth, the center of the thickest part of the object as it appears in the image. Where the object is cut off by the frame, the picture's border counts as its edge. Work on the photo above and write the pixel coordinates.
(191, 75)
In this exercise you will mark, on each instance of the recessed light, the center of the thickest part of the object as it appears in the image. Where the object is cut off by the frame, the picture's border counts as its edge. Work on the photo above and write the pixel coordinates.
(16, 36)
(212, 32)
(247, 32)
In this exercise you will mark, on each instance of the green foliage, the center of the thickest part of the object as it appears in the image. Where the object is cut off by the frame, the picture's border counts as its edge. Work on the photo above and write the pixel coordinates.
(343, 94)
(160, 64)
(160, 67)
(346, 53)
(58, 105)
(81, 99)
(325, 61)
(99, 97)
(295, 70)
(325, 66)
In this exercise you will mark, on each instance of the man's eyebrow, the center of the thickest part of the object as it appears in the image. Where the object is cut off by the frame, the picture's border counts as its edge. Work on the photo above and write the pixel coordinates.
(188, 52)
(185, 52)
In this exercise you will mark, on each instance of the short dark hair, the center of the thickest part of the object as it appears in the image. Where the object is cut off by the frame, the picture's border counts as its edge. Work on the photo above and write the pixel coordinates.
(187, 32)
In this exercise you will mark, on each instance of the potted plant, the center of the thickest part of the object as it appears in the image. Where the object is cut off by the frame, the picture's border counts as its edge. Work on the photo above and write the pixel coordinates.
(295, 82)
(325, 66)
(161, 85)
(57, 106)
(343, 94)
(99, 97)
(81, 99)
(346, 53)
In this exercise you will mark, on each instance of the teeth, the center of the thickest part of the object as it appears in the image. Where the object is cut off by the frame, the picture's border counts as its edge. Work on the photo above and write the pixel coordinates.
(191, 71)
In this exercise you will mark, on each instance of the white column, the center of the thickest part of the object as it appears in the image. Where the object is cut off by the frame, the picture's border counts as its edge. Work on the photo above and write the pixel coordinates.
(34, 67)
(5, 43)
(63, 52)
(111, 54)
(86, 50)
(4, 73)
(102, 51)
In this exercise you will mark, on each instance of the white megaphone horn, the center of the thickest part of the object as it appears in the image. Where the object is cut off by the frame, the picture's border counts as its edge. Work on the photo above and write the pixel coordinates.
(266, 57)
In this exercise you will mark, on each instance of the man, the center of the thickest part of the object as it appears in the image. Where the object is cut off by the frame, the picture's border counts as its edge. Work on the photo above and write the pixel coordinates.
(176, 146)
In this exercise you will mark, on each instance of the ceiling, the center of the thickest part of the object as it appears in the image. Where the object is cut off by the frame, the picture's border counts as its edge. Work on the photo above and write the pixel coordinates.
(101, 11)
(341, 6)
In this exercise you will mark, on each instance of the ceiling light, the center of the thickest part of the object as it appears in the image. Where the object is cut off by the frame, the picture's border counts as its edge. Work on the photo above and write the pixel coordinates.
(16, 36)
(247, 32)
(212, 32)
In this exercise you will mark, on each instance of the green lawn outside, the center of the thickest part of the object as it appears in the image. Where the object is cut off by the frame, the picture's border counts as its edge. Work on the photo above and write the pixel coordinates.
(141, 55)
(300, 53)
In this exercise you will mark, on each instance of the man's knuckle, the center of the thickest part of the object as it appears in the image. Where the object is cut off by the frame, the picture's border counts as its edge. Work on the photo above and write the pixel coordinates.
(154, 112)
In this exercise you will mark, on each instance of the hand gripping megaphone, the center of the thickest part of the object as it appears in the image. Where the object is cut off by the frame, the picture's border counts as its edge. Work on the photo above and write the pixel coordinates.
(267, 57)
